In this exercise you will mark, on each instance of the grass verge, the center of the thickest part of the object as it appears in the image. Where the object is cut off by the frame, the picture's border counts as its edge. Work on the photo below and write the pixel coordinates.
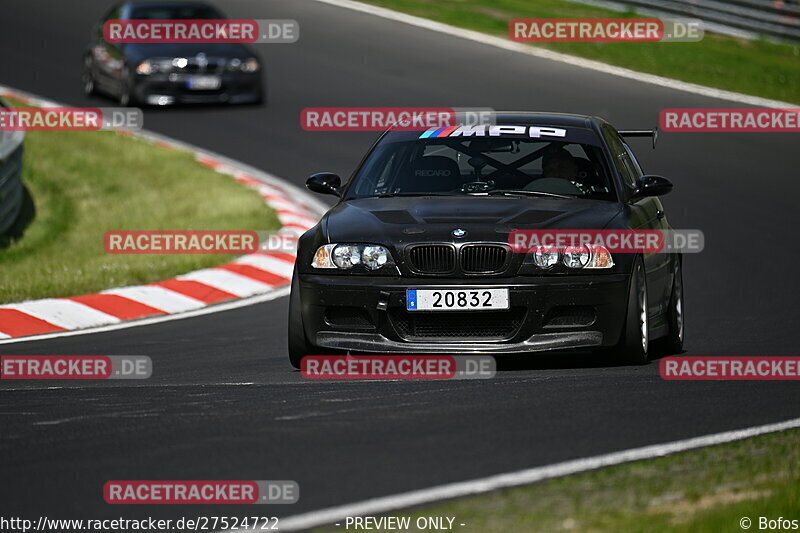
(86, 183)
(704, 491)
(760, 68)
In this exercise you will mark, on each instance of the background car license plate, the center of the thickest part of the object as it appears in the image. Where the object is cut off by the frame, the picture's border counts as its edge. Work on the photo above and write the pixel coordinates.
(466, 299)
(204, 82)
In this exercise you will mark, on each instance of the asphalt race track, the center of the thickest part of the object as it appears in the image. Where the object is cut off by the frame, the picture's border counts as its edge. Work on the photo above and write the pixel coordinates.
(223, 402)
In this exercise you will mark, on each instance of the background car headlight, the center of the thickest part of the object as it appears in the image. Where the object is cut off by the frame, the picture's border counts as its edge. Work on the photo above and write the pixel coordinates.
(145, 67)
(545, 257)
(251, 65)
(247, 65)
(151, 66)
(346, 256)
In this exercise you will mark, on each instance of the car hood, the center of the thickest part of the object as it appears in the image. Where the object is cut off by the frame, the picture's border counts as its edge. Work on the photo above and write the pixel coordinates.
(402, 220)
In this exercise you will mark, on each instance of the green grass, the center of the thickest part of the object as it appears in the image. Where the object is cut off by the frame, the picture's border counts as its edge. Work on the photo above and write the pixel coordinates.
(761, 68)
(704, 491)
(86, 183)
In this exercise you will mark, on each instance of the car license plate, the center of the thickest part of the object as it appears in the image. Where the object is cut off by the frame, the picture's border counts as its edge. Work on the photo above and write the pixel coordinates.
(466, 299)
(199, 83)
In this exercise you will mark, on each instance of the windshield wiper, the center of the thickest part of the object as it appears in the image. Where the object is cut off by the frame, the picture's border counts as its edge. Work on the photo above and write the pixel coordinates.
(497, 192)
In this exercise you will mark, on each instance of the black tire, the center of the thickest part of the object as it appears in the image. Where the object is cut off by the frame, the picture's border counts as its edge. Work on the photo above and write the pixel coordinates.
(299, 346)
(126, 96)
(87, 78)
(633, 345)
(673, 342)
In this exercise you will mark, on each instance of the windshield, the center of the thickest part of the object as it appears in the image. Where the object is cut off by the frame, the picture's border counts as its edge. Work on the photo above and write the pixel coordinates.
(409, 165)
(175, 12)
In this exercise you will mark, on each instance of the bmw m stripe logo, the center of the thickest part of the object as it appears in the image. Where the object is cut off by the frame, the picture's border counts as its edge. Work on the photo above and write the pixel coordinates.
(438, 132)
(482, 130)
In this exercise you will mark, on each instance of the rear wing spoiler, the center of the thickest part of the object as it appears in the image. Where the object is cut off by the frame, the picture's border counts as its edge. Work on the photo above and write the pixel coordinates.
(641, 133)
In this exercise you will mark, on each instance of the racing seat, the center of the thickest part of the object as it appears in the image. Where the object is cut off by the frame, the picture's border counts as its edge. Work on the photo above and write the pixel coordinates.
(433, 173)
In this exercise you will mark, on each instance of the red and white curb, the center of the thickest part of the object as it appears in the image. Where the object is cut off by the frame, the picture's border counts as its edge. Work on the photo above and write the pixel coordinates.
(256, 277)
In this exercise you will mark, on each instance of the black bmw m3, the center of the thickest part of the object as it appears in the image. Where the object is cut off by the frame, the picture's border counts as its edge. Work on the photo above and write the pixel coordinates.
(416, 256)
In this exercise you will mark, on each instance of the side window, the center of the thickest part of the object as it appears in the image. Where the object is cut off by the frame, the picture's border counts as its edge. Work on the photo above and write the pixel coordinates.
(637, 167)
(381, 171)
(621, 156)
(378, 172)
(631, 171)
(383, 179)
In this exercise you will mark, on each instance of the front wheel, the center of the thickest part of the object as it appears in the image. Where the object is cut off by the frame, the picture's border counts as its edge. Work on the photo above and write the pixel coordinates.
(675, 316)
(633, 344)
(89, 87)
(126, 95)
(298, 344)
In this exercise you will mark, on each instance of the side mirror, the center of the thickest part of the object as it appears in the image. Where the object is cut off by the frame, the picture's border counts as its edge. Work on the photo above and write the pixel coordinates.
(652, 185)
(325, 183)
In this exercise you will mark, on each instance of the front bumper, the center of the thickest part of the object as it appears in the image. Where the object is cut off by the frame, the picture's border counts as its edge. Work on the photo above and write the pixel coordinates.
(172, 88)
(368, 314)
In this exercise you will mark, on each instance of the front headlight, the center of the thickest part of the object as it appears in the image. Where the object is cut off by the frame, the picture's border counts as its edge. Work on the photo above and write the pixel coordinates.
(576, 256)
(247, 65)
(545, 257)
(348, 256)
(601, 258)
(322, 258)
(374, 257)
(573, 257)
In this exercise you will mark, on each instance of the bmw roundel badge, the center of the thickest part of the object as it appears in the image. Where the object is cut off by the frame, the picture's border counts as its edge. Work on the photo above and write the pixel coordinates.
(458, 232)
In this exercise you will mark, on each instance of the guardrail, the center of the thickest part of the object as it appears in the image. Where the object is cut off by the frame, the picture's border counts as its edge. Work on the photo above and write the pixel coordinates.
(777, 19)
(11, 191)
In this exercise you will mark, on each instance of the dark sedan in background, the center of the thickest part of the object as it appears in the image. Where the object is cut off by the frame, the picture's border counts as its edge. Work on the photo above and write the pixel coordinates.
(415, 256)
(170, 73)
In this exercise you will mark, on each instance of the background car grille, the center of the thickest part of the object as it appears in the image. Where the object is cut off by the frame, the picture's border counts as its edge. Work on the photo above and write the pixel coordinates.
(195, 65)
(433, 258)
(454, 325)
(213, 65)
(483, 258)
